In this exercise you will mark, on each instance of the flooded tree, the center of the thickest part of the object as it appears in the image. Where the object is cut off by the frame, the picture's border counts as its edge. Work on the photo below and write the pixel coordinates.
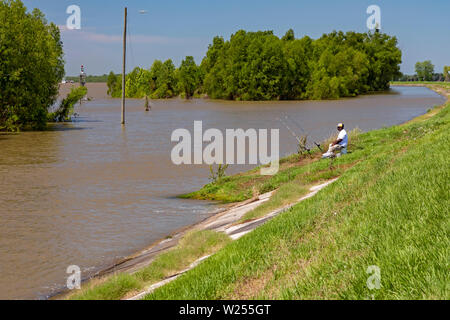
(188, 77)
(261, 66)
(31, 66)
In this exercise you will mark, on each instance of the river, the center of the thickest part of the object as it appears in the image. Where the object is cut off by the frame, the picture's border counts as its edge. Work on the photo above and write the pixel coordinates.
(90, 192)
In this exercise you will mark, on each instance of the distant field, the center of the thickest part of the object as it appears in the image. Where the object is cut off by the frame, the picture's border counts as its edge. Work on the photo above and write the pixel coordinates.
(89, 79)
(95, 90)
(446, 84)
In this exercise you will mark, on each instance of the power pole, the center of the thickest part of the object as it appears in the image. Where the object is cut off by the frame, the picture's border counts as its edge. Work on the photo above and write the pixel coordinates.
(123, 65)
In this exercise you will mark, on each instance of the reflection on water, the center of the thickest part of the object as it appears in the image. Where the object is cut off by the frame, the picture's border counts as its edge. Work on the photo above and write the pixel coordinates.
(89, 192)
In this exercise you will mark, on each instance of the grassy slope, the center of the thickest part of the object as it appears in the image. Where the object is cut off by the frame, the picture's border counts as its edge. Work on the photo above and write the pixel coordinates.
(299, 169)
(389, 209)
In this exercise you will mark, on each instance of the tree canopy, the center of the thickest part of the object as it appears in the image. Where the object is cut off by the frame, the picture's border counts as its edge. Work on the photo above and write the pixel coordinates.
(261, 66)
(447, 73)
(425, 70)
(31, 66)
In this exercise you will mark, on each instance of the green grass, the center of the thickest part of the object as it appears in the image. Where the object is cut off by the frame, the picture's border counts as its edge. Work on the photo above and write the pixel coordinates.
(389, 208)
(439, 83)
(190, 248)
(226, 190)
(304, 169)
(287, 194)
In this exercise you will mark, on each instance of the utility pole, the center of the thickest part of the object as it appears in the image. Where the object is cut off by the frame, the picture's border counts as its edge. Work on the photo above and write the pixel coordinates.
(123, 65)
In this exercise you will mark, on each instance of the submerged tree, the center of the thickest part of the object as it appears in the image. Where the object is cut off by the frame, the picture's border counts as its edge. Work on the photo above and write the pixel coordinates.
(113, 84)
(66, 107)
(261, 66)
(163, 80)
(31, 66)
(188, 77)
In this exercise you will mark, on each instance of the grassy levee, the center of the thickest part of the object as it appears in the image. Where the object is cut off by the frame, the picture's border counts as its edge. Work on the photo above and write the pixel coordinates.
(388, 209)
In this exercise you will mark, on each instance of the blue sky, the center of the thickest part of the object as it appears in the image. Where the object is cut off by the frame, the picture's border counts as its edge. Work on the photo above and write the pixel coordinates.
(175, 29)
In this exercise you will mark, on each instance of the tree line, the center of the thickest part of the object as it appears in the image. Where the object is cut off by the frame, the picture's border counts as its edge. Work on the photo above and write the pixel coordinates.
(425, 72)
(89, 78)
(262, 66)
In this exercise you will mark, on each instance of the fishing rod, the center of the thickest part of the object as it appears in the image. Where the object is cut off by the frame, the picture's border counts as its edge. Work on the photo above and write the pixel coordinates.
(290, 130)
(300, 127)
(300, 144)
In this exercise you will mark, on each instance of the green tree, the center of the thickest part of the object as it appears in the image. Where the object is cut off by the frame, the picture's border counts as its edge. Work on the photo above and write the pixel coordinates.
(137, 83)
(264, 66)
(111, 82)
(65, 109)
(163, 79)
(384, 59)
(289, 36)
(297, 75)
(339, 67)
(261, 66)
(31, 66)
(213, 67)
(250, 66)
(447, 73)
(188, 77)
(425, 70)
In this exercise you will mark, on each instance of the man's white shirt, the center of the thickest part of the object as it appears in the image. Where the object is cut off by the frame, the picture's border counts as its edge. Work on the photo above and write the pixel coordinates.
(343, 136)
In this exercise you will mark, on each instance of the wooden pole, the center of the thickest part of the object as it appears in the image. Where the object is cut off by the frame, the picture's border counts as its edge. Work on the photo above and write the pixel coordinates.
(147, 105)
(123, 65)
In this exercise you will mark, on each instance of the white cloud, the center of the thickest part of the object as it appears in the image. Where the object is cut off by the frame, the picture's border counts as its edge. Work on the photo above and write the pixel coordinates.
(112, 38)
(101, 53)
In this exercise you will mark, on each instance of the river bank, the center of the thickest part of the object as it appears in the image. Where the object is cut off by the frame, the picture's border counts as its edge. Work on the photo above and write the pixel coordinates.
(389, 211)
(286, 183)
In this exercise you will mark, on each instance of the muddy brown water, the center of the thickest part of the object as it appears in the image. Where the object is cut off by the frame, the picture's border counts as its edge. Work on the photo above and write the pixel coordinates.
(91, 192)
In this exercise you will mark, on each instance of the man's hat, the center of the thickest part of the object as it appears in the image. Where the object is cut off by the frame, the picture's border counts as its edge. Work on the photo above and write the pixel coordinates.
(340, 125)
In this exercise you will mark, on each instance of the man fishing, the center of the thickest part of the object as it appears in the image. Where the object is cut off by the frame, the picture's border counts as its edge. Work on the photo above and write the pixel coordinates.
(340, 144)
